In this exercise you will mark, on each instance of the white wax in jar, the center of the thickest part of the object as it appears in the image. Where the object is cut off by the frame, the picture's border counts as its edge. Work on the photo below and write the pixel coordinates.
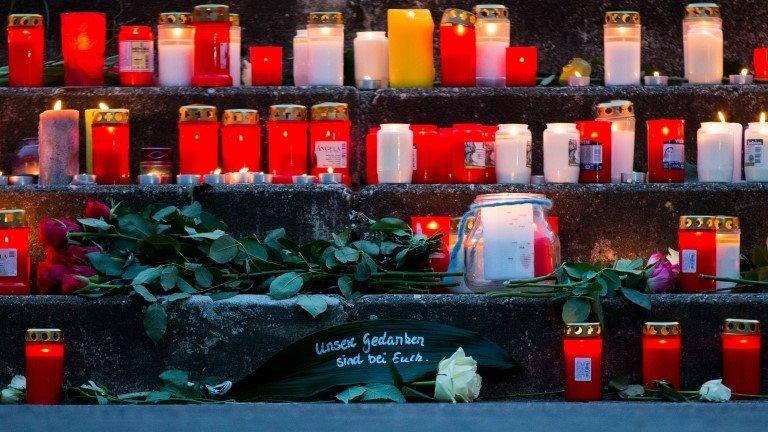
(491, 63)
(371, 51)
(513, 154)
(755, 141)
(394, 153)
(561, 153)
(728, 253)
(622, 62)
(703, 52)
(622, 153)
(175, 55)
(300, 59)
(714, 145)
(325, 56)
(234, 55)
(507, 242)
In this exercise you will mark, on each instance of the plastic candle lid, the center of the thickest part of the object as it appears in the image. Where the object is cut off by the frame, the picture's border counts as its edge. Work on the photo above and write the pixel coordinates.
(211, 12)
(174, 18)
(671, 328)
(330, 111)
(111, 116)
(583, 330)
(741, 326)
(491, 11)
(25, 20)
(615, 109)
(12, 218)
(325, 18)
(234, 19)
(240, 116)
(726, 223)
(287, 112)
(702, 10)
(697, 222)
(43, 335)
(458, 16)
(622, 17)
(197, 113)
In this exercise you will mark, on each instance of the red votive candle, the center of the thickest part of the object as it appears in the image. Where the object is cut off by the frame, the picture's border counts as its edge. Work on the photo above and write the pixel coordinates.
(329, 137)
(470, 153)
(111, 146)
(44, 355)
(583, 352)
(661, 353)
(14, 253)
(522, 66)
(696, 237)
(198, 139)
(594, 151)
(212, 27)
(457, 48)
(741, 356)
(240, 140)
(83, 41)
(266, 65)
(26, 43)
(137, 56)
(430, 226)
(426, 140)
(371, 174)
(760, 62)
(445, 170)
(666, 150)
(287, 142)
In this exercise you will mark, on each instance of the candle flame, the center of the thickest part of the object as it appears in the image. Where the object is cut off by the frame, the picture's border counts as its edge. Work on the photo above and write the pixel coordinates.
(665, 130)
(656, 74)
(411, 14)
(744, 72)
(243, 170)
(762, 120)
(433, 225)
(491, 28)
(216, 171)
(594, 135)
(330, 170)
(721, 116)
(578, 74)
(521, 59)
(45, 350)
(103, 106)
(57, 105)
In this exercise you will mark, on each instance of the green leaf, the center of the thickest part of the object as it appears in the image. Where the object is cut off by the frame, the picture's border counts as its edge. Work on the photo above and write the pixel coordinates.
(164, 213)
(388, 225)
(223, 295)
(174, 378)
(254, 249)
(105, 264)
(346, 286)
(637, 298)
(155, 322)
(632, 390)
(362, 271)
(619, 383)
(285, 286)
(273, 236)
(99, 224)
(347, 254)
(368, 247)
(576, 309)
(577, 270)
(412, 393)
(382, 393)
(213, 235)
(185, 286)
(176, 297)
(387, 247)
(144, 292)
(547, 80)
(193, 210)
(203, 277)
(224, 249)
(342, 238)
(133, 225)
(313, 304)
(168, 277)
(147, 276)
(759, 256)
(158, 396)
(350, 394)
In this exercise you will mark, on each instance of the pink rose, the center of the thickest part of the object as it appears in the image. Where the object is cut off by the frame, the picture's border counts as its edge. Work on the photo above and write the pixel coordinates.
(49, 277)
(83, 270)
(71, 283)
(97, 210)
(663, 274)
(53, 232)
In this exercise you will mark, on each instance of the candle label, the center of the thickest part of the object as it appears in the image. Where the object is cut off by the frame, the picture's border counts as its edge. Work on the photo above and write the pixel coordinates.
(8, 263)
(753, 153)
(573, 152)
(508, 239)
(137, 56)
(673, 156)
(591, 155)
(331, 154)
(688, 260)
(528, 154)
(582, 369)
(479, 154)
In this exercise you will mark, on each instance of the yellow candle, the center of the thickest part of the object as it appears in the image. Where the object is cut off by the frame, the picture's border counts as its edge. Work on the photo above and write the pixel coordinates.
(411, 61)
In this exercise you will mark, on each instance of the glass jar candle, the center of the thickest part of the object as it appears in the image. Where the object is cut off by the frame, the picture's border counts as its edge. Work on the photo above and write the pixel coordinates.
(394, 153)
(760, 63)
(110, 141)
(44, 366)
(522, 66)
(136, 56)
(696, 240)
(741, 340)
(583, 357)
(621, 48)
(661, 353)
(666, 150)
(266, 65)
(157, 161)
(26, 50)
(175, 49)
(471, 153)
(703, 43)
(561, 153)
(411, 61)
(727, 250)
(83, 42)
(329, 139)
(212, 29)
(325, 48)
(287, 142)
(235, 38)
(240, 140)
(371, 175)
(508, 241)
(492, 41)
(594, 151)
(457, 48)
(426, 141)
(621, 115)
(513, 154)
(716, 144)
(14, 253)
(430, 226)
(198, 139)
(371, 52)
(300, 58)
(755, 142)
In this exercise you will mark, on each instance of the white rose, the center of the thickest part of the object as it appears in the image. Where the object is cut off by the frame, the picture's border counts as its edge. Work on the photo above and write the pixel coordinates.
(246, 73)
(18, 382)
(715, 391)
(457, 379)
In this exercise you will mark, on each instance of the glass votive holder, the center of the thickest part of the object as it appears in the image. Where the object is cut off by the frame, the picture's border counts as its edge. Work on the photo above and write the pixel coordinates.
(262, 178)
(215, 178)
(578, 81)
(3, 179)
(304, 179)
(21, 180)
(240, 177)
(656, 80)
(26, 159)
(149, 179)
(157, 161)
(84, 180)
(742, 78)
(537, 179)
(188, 179)
(330, 177)
(633, 177)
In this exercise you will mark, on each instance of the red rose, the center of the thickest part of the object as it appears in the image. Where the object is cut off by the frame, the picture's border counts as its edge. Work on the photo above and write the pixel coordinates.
(79, 254)
(56, 256)
(53, 232)
(83, 270)
(49, 277)
(71, 283)
(97, 210)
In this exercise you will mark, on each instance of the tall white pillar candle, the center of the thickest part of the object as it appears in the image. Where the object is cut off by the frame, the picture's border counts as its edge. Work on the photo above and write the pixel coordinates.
(300, 58)
(394, 153)
(621, 46)
(621, 114)
(325, 48)
(371, 60)
(703, 44)
(561, 153)
(727, 250)
(175, 49)
(235, 35)
(59, 148)
(755, 142)
(714, 145)
(491, 43)
(513, 154)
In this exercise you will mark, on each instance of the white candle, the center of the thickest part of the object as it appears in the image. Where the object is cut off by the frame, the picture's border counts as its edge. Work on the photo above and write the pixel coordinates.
(491, 43)
(300, 58)
(621, 114)
(214, 178)
(621, 46)
(703, 44)
(371, 49)
(84, 180)
(330, 177)
(262, 178)
(656, 80)
(394, 153)
(513, 154)
(578, 81)
(149, 179)
(59, 145)
(507, 242)
(561, 153)
(727, 251)
(235, 64)
(304, 179)
(755, 141)
(21, 180)
(188, 179)
(175, 50)
(714, 144)
(325, 48)
(742, 78)
(241, 177)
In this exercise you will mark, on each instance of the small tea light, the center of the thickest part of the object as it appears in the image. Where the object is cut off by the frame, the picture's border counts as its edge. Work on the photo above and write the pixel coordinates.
(149, 179)
(3, 179)
(742, 78)
(304, 179)
(262, 178)
(537, 179)
(84, 179)
(633, 177)
(241, 177)
(656, 79)
(367, 83)
(187, 179)
(215, 178)
(330, 177)
(578, 80)
(21, 180)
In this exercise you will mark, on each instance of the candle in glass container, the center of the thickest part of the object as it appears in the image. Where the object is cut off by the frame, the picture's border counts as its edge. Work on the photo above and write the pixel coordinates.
(411, 62)
(287, 131)
(175, 49)
(513, 154)
(471, 153)
(26, 44)
(703, 43)
(235, 37)
(266, 65)
(300, 59)
(741, 342)
(696, 240)
(394, 153)
(621, 46)
(426, 140)
(661, 353)
(760, 63)
(240, 139)
(198, 139)
(212, 28)
(457, 48)
(59, 145)
(325, 48)
(14, 253)
(578, 81)
(44, 361)
(329, 139)
(656, 79)
(594, 151)
(522, 66)
(215, 177)
(718, 144)
(621, 115)
(755, 141)
(430, 226)
(741, 78)
(561, 153)
(371, 176)
(136, 56)
(583, 357)
(492, 41)
(111, 141)
(666, 150)
(89, 113)
(83, 42)
(157, 161)
(371, 52)
(727, 250)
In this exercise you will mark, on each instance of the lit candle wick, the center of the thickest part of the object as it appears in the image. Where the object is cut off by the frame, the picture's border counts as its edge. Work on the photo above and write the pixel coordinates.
(578, 74)
(217, 171)
(762, 120)
(57, 105)
(330, 170)
(721, 116)
(744, 72)
(243, 170)
(655, 74)
(103, 106)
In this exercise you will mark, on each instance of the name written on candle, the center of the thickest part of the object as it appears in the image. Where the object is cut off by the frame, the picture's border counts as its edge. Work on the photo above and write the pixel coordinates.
(368, 349)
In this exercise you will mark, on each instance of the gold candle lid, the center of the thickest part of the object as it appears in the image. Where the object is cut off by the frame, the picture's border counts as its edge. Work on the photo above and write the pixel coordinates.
(44, 335)
(697, 222)
(330, 111)
(615, 109)
(287, 112)
(111, 116)
(197, 113)
(25, 20)
(325, 18)
(12, 218)
(234, 19)
(490, 11)
(726, 223)
(178, 18)
(210, 12)
(583, 330)
(240, 116)
(671, 328)
(702, 10)
(741, 326)
(458, 16)
(622, 17)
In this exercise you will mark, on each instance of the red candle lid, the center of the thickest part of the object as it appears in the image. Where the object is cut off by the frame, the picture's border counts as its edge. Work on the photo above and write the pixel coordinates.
(44, 335)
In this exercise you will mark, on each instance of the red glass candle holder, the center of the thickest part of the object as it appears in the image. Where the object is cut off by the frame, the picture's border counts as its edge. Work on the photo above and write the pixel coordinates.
(741, 356)
(426, 140)
(457, 48)
(760, 63)
(212, 27)
(111, 146)
(431, 226)
(583, 353)
(26, 44)
(594, 151)
(445, 171)
(136, 56)
(198, 139)
(371, 173)
(661, 353)
(83, 41)
(287, 142)
(522, 66)
(44, 355)
(14, 253)
(266, 65)
(554, 224)
(329, 137)
(666, 150)
(240, 140)
(470, 153)
(696, 239)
